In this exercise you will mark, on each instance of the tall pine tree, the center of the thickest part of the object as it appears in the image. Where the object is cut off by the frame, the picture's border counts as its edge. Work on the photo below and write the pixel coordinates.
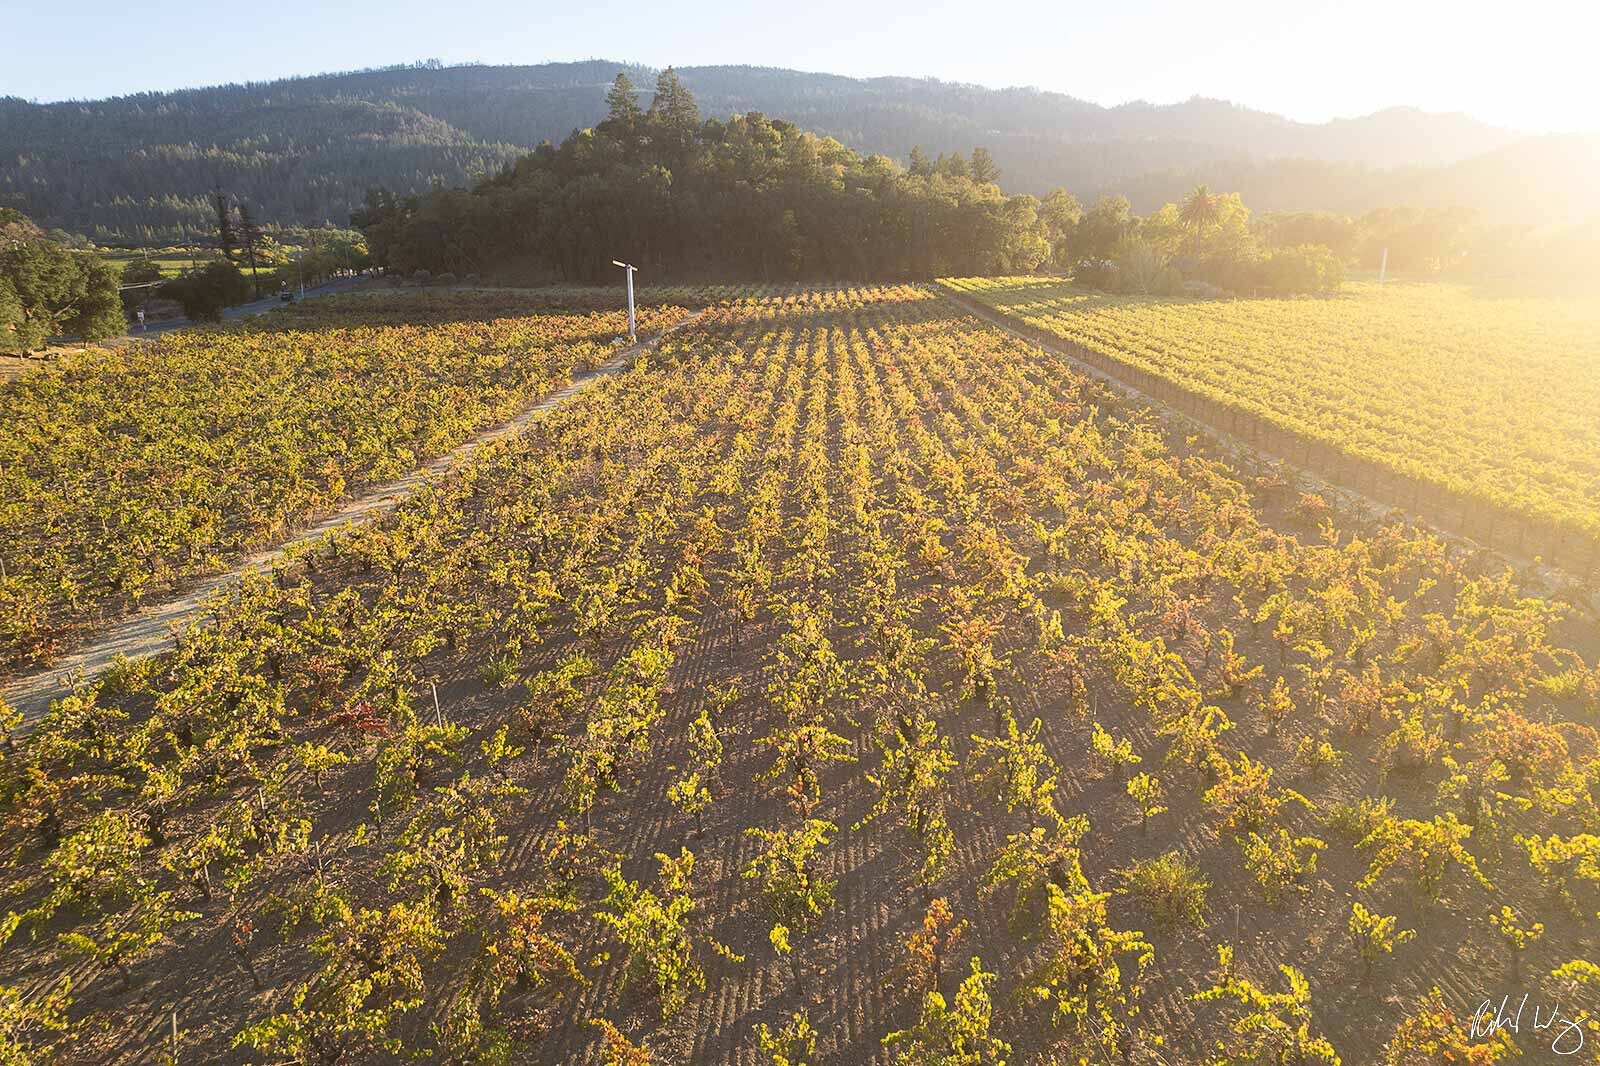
(984, 172)
(249, 237)
(674, 117)
(622, 106)
(225, 233)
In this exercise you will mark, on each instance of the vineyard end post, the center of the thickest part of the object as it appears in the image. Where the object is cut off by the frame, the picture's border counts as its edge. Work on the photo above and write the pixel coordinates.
(632, 334)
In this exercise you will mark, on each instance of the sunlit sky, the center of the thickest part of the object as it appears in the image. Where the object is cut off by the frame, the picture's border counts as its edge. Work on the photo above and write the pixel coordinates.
(1528, 65)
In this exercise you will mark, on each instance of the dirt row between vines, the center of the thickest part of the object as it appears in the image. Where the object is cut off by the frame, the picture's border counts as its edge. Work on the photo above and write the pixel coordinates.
(154, 628)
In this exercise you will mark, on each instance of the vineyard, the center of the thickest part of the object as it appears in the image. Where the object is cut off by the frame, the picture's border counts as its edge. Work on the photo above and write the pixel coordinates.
(1487, 401)
(124, 471)
(847, 682)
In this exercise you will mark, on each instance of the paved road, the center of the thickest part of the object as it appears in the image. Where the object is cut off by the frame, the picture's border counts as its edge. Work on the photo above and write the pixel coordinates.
(254, 307)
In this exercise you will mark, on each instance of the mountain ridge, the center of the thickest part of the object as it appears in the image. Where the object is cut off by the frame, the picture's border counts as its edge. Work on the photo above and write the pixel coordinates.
(138, 167)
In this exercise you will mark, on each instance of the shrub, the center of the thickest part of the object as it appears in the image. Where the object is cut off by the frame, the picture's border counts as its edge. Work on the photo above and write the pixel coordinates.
(371, 980)
(1303, 269)
(1314, 754)
(1147, 793)
(1281, 863)
(1171, 886)
(1426, 850)
(1092, 972)
(1275, 706)
(520, 948)
(927, 947)
(1575, 981)
(1359, 819)
(1431, 1032)
(1411, 747)
(1095, 273)
(205, 292)
(1516, 935)
(654, 928)
(690, 795)
(119, 940)
(1375, 934)
(1565, 863)
(1268, 1026)
(1014, 769)
(1034, 861)
(1233, 669)
(1113, 754)
(1312, 508)
(952, 1034)
(794, 1044)
(1244, 799)
(785, 868)
(616, 1049)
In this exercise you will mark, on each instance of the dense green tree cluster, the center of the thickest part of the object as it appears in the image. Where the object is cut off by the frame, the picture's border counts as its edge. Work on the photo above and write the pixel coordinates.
(750, 197)
(1207, 240)
(1448, 242)
(1416, 239)
(48, 290)
(142, 169)
(205, 292)
(206, 289)
(1214, 239)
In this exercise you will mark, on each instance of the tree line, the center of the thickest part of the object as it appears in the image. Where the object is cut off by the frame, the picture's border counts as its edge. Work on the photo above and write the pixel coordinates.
(754, 197)
(138, 169)
(51, 288)
(1205, 245)
(750, 198)
(242, 244)
(1212, 242)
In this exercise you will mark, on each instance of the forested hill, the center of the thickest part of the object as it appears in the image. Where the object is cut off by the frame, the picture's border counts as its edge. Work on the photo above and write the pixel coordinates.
(304, 150)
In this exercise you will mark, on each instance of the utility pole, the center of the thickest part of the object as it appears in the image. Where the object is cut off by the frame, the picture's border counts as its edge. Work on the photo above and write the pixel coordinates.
(632, 336)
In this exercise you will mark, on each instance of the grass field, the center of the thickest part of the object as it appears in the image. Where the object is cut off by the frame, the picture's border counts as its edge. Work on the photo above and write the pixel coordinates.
(1492, 398)
(171, 261)
(845, 652)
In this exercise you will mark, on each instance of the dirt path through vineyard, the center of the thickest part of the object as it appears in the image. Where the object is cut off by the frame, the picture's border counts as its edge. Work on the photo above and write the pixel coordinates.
(151, 629)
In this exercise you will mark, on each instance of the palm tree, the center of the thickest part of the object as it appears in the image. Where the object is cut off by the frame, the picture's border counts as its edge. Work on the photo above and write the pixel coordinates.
(1201, 208)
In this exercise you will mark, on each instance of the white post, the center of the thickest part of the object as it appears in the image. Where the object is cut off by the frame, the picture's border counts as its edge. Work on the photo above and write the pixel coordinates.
(632, 336)
(1383, 267)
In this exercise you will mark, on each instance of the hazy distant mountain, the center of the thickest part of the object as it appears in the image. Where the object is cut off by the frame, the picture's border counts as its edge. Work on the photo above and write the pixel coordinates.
(1540, 180)
(1537, 181)
(305, 149)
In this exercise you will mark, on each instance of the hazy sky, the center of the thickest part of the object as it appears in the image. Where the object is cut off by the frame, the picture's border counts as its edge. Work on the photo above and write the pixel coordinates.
(1528, 64)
